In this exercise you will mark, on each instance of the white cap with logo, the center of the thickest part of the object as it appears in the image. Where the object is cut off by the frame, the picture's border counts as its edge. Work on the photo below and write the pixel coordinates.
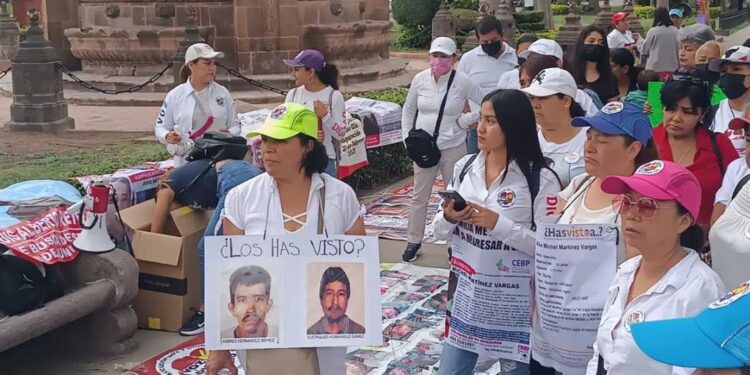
(547, 47)
(736, 54)
(443, 45)
(552, 81)
(201, 51)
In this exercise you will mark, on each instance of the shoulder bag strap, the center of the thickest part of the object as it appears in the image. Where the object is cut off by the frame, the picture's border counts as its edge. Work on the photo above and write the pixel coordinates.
(579, 192)
(442, 105)
(534, 185)
(740, 185)
(321, 210)
(465, 169)
(717, 151)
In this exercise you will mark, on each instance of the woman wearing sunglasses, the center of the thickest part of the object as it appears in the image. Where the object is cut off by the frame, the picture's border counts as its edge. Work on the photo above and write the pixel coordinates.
(657, 206)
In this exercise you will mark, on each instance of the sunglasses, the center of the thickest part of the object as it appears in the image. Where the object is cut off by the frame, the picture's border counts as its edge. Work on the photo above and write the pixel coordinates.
(647, 207)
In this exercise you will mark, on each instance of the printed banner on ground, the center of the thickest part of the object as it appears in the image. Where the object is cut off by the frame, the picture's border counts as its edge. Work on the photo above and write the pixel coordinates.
(47, 239)
(490, 312)
(575, 264)
(291, 292)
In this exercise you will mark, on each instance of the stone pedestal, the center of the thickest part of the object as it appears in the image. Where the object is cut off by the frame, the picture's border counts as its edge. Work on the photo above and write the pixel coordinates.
(504, 14)
(8, 36)
(634, 23)
(192, 36)
(568, 34)
(38, 102)
(604, 17)
(442, 23)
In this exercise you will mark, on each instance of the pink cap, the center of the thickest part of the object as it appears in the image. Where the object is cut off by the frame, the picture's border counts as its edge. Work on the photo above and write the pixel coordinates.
(619, 16)
(660, 180)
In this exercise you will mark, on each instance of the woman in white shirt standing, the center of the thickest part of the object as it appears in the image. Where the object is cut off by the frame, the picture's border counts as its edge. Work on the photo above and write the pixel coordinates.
(195, 106)
(497, 184)
(621, 36)
(293, 196)
(428, 91)
(317, 88)
(552, 94)
(658, 208)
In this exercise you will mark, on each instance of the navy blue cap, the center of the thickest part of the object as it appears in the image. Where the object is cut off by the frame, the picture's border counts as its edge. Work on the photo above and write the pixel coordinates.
(617, 118)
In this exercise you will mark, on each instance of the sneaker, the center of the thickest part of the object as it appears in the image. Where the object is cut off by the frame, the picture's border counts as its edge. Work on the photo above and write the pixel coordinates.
(412, 252)
(194, 326)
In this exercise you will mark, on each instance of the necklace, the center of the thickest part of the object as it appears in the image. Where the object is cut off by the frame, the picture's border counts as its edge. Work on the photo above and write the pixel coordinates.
(684, 154)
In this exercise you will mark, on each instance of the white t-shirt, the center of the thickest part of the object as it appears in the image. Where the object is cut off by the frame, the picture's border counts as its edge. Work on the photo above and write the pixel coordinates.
(684, 291)
(334, 123)
(617, 39)
(735, 172)
(724, 114)
(567, 158)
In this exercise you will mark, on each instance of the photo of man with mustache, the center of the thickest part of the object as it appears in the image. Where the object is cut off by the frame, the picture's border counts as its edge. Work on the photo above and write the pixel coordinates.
(335, 291)
(250, 301)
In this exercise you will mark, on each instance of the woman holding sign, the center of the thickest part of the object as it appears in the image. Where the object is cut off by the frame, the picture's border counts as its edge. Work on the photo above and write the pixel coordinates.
(293, 196)
(618, 141)
(658, 207)
(489, 210)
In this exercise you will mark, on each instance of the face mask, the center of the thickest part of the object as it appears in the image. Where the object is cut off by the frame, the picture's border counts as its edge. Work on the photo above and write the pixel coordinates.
(521, 61)
(492, 49)
(441, 65)
(711, 76)
(593, 52)
(733, 85)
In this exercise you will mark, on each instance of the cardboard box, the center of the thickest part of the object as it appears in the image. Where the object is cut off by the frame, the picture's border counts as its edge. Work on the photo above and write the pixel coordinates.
(169, 278)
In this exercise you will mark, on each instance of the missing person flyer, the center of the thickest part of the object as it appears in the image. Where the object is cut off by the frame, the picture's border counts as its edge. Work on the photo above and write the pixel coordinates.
(490, 308)
(293, 291)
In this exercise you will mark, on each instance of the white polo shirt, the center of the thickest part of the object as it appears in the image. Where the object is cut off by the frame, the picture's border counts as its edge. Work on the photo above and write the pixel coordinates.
(567, 158)
(509, 80)
(484, 69)
(617, 39)
(685, 290)
(509, 196)
(423, 101)
(736, 170)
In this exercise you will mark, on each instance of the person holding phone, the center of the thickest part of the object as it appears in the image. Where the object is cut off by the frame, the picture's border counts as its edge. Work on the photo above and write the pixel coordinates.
(498, 185)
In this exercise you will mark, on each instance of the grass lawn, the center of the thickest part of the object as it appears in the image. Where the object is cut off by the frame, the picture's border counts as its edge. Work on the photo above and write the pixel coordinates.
(85, 162)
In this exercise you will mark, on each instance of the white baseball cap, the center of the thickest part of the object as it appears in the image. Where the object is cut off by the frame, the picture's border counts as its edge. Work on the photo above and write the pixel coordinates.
(552, 81)
(547, 47)
(201, 51)
(443, 45)
(736, 54)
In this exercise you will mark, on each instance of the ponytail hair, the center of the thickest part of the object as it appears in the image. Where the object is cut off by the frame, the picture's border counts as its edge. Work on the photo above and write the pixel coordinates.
(316, 161)
(184, 73)
(329, 75)
(694, 237)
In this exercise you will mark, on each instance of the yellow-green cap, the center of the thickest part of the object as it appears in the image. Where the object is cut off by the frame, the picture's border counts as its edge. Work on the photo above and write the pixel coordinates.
(288, 120)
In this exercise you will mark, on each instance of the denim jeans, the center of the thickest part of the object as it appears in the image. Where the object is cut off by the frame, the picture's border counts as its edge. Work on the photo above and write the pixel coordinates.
(331, 169)
(455, 361)
(231, 174)
(471, 142)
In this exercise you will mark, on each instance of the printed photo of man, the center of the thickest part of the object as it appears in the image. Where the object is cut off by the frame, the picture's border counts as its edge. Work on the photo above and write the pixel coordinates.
(335, 291)
(249, 302)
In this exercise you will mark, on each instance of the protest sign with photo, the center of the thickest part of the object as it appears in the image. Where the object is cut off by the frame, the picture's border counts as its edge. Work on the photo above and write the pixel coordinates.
(292, 292)
(575, 264)
(381, 121)
(490, 308)
(352, 151)
(47, 239)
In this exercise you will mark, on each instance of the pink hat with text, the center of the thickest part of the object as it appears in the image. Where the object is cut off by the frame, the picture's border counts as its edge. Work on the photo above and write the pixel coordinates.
(660, 180)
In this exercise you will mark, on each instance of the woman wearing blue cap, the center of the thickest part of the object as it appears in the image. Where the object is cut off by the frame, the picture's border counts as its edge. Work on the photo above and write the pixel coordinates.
(618, 141)
(317, 88)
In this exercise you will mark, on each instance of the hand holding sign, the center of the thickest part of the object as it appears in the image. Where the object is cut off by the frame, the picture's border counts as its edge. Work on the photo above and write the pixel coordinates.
(483, 217)
(219, 360)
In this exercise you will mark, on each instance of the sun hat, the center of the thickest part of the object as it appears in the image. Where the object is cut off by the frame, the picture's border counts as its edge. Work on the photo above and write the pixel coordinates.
(201, 51)
(717, 338)
(444, 45)
(660, 180)
(736, 54)
(308, 58)
(676, 12)
(619, 16)
(552, 81)
(617, 118)
(546, 47)
(288, 120)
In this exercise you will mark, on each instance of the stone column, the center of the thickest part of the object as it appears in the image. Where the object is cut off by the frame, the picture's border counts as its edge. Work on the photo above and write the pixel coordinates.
(192, 36)
(604, 18)
(442, 23)
(267, 31)
(634, 23)
(60, 15)
(8, 36)
(38, 102)
(569, 32)
(504, 14)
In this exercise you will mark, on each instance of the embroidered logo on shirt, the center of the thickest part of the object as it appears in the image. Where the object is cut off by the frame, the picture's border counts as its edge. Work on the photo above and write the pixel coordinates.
(220, 101)
(278, 112)
(506, 198)
(612, 107)
(650, 168)
(732, 296)
(636, 317)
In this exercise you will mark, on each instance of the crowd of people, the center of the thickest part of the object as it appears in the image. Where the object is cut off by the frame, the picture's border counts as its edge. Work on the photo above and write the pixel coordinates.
(568, 133)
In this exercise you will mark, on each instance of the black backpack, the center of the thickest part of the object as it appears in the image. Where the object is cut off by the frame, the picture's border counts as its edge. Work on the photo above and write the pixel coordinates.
(22, 286)
(218, 146)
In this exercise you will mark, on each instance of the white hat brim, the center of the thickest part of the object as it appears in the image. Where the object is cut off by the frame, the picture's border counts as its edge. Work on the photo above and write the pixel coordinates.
(539, 91)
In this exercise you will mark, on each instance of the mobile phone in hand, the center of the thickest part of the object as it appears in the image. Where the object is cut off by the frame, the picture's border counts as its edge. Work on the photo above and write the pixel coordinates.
(459, 203)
